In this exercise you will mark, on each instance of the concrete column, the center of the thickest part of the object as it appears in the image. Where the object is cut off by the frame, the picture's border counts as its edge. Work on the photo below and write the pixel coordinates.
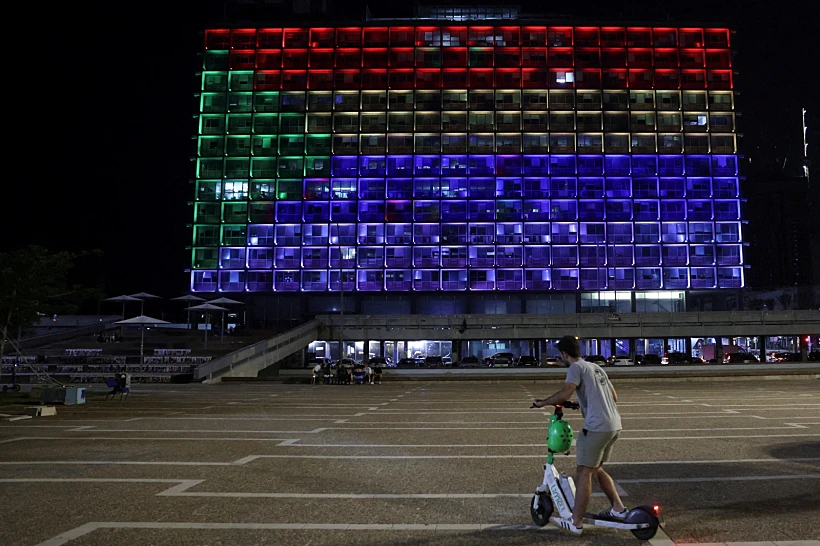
(455, 352)
(666, 345)
(613, 346)
(366, 351)
(719, 349)
(761, 344)
(632, 343)
(804, 348)
(303, 357)
(688, 341)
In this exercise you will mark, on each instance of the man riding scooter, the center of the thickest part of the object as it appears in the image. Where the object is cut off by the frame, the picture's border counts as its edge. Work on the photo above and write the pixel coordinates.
(602, 426)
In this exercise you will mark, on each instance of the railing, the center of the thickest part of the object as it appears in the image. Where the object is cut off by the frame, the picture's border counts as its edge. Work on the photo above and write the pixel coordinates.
(63, 334)
(257, 354)
(546, 325)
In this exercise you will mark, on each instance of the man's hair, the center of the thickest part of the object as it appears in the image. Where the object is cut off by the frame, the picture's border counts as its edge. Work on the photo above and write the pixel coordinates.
(569, 345)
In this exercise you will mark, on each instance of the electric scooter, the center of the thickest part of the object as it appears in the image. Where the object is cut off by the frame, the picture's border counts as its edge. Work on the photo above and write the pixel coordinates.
(557, 491)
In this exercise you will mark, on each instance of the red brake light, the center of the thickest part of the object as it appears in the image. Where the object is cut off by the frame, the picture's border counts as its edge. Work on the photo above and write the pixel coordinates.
(656, 509)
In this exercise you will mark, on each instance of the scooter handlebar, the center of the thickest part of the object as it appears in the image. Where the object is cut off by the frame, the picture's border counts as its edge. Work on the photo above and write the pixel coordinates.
(567, 404)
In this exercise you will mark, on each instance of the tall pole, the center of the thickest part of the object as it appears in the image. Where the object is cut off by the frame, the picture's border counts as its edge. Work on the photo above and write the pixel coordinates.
(805, 150)
(341, 297)
(142, 345)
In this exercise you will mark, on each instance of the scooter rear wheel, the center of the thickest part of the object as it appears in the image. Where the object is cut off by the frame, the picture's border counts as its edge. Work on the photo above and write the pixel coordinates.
(541, 515)
(642, 514)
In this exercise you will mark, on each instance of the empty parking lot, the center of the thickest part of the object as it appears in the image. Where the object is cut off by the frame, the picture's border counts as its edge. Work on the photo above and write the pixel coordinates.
(403, 463)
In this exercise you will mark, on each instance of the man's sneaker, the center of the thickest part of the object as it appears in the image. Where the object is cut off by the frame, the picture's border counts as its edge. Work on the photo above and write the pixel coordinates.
(612, 514)
(567, 525)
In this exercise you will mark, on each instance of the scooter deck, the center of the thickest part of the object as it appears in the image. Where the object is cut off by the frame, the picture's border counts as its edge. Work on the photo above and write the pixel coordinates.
(598, 521)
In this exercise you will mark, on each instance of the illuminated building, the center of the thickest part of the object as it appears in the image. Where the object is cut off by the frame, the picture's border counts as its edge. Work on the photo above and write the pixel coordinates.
(503, 156)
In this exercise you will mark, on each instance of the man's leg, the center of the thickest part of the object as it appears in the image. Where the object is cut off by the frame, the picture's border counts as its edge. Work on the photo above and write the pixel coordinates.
(608, 485)
(583, 491)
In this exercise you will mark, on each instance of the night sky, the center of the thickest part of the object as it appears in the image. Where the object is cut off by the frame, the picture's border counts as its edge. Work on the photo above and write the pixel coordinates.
(114, 105)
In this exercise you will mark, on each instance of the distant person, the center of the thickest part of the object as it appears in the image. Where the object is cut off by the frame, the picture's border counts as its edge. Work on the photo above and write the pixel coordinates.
(602, 426)
(317, 373)
(369, 374)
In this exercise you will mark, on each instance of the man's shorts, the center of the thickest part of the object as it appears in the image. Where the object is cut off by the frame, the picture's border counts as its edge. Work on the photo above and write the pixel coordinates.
(593, 448)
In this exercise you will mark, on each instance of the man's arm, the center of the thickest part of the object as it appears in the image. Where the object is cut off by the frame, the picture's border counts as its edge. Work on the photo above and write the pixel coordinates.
(563, 395)
(614, 394)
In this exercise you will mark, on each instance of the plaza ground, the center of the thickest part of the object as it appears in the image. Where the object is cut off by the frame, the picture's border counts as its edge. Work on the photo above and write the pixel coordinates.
(411, 464)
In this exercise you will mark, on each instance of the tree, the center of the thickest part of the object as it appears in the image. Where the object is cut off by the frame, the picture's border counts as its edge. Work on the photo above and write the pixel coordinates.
(35, 280)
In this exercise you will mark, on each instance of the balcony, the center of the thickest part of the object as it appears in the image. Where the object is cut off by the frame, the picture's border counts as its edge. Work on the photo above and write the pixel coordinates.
(615, 149)
(669, 128)
(537, 285)
(503, 148)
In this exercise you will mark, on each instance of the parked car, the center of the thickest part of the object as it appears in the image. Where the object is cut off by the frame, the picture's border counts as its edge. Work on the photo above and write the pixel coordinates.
(528, 360)
(598, 359)
(743, 358)
(649, 359)
(319, 360)
(407, 363)
(469, 362)
(433, 362)
(622, 361)
(552, 361)
(676, 359)
(501, 360)
(378, 361)
(346, 362)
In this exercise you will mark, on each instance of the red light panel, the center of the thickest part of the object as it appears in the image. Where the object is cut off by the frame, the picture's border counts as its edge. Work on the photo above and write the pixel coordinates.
(267, 59)
(217, 39)
(270, 38)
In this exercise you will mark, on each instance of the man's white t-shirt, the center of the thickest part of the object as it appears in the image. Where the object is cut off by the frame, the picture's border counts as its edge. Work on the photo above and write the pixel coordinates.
(595, 396)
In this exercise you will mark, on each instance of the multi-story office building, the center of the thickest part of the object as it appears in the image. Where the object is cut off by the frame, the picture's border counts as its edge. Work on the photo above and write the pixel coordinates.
(556, 166)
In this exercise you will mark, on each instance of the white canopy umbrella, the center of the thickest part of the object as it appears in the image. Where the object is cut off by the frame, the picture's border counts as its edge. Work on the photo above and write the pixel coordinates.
(123, 299)
(224, 301)
(189, 298)
(208, 309)
(144, 296)
(142, 320)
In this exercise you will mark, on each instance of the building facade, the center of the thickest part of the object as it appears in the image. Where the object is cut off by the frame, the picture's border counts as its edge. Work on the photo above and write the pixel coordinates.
(442, 157)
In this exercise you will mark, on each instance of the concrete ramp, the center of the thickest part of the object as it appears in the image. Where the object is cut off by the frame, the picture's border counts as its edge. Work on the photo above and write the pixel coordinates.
(248, 362)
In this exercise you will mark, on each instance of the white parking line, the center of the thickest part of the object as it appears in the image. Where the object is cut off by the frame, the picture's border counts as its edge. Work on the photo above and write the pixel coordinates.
(83, 530)
(180, 489)
(251, 458)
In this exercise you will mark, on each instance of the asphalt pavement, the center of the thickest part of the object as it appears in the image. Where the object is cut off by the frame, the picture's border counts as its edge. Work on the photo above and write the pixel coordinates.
(410, 464)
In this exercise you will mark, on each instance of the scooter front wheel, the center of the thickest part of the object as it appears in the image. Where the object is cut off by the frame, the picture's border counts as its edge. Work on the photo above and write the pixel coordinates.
(643, 515)
(541, 515)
